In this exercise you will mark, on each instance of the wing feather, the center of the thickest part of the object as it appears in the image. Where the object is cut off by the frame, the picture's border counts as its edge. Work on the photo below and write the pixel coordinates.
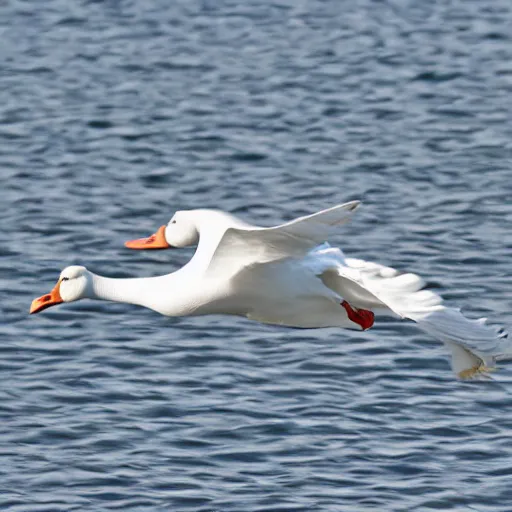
(474, 345)
(243, 246)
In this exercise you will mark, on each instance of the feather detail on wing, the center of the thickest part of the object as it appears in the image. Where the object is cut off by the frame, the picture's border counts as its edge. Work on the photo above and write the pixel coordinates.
(243, 246)
(475, 346)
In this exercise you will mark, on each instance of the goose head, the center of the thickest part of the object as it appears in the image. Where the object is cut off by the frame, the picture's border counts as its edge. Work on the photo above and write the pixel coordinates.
(72, 285)
(181, 231)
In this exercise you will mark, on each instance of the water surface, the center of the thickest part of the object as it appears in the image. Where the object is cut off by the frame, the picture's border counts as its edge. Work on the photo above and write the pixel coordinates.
(115, 114)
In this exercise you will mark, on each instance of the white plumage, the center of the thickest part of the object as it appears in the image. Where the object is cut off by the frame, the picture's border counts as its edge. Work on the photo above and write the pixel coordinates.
(281, 275)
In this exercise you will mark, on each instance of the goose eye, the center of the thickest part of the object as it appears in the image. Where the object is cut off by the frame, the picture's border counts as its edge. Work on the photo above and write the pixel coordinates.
(173, 222)
(65, 279)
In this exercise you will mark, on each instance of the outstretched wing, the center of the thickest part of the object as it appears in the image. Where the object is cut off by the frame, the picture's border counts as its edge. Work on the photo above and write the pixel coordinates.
(474, 345)
(240, 247)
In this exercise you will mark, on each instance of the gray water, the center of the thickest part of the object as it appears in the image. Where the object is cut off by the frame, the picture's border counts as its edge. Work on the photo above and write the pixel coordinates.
(115, 114)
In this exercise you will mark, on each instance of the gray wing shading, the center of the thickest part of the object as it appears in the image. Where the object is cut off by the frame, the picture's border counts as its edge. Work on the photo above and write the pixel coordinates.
(240, 247)
(474, 345)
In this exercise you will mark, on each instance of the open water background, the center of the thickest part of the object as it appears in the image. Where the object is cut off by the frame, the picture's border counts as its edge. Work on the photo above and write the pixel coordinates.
(114, 114)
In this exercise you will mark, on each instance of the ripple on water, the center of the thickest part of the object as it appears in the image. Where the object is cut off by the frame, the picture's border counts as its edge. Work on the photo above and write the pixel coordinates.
(115, 115)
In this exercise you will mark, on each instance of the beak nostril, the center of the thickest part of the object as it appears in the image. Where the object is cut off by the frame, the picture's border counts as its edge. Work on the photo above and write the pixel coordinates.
(154, 241)
(47, 300)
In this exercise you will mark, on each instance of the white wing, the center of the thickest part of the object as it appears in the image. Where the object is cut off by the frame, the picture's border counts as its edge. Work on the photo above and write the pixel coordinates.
(240, 247)
(474, 346)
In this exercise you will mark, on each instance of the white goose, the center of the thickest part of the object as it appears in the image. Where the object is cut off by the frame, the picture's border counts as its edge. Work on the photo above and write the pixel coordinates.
(280, 275)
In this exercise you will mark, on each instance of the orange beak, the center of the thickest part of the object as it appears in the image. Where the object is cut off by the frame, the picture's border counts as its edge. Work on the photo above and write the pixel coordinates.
(156, 241)
(45, 301)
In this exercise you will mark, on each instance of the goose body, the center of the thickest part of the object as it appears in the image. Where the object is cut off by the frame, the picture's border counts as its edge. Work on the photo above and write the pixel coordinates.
(284, 275)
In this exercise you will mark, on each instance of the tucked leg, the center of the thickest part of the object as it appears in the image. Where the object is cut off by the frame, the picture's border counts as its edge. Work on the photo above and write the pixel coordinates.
(363, 317)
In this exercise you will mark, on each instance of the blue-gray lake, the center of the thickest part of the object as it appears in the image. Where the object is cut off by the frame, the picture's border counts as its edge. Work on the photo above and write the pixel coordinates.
(116, 113)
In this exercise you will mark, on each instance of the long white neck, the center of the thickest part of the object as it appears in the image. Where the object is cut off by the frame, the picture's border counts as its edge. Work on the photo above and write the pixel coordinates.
(151, 292)
(211, 226)
(175, 294)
